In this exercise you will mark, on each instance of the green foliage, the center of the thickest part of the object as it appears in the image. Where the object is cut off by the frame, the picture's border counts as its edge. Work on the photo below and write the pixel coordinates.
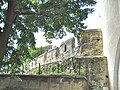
(82, 71)
(97, 87)
(35, 52)
(58, 69)
(36, 71)
(52, 70)
(17, 62)
(53, 17)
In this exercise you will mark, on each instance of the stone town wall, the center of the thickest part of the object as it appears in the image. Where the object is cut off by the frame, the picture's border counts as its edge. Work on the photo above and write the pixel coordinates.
(93, 68)
(31, 82)
(90, 45)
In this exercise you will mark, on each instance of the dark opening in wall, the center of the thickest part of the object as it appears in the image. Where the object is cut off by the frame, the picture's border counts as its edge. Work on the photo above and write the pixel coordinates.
(65, 48)
(57, 52)
(98, 39)
(35, 63)
(32, 64)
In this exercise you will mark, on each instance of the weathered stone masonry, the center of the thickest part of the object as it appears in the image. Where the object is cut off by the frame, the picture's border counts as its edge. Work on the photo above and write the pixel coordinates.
(85, 60)
(32, 82)
(79, 68)
(90, 45)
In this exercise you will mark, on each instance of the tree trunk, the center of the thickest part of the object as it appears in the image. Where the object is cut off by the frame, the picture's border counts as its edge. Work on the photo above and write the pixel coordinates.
(4, 36)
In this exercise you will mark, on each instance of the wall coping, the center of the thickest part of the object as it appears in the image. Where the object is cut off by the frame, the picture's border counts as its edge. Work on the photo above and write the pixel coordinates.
(45, 76)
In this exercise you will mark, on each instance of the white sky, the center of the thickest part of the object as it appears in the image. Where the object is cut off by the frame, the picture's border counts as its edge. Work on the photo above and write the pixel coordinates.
(92, 22)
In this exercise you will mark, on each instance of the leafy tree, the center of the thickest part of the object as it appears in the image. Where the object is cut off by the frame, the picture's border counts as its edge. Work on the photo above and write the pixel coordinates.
(35, 52)
(20, 19)
(19, 63)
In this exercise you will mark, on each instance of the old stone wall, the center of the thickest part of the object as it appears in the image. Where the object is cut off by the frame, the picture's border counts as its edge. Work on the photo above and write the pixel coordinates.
(90, 45)
(30, 82)
(55, 54)
(93, 68)
(68, 45)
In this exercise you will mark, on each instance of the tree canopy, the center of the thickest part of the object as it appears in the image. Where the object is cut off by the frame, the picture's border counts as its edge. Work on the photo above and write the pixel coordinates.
(20, 19)
(19, 65)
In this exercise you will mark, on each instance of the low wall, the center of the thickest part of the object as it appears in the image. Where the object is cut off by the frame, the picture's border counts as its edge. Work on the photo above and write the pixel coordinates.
(94, 68)
(32, 82)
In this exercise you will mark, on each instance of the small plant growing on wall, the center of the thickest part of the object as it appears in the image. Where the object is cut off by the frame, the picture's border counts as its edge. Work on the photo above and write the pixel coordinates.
(97, 87)
(82, 71)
